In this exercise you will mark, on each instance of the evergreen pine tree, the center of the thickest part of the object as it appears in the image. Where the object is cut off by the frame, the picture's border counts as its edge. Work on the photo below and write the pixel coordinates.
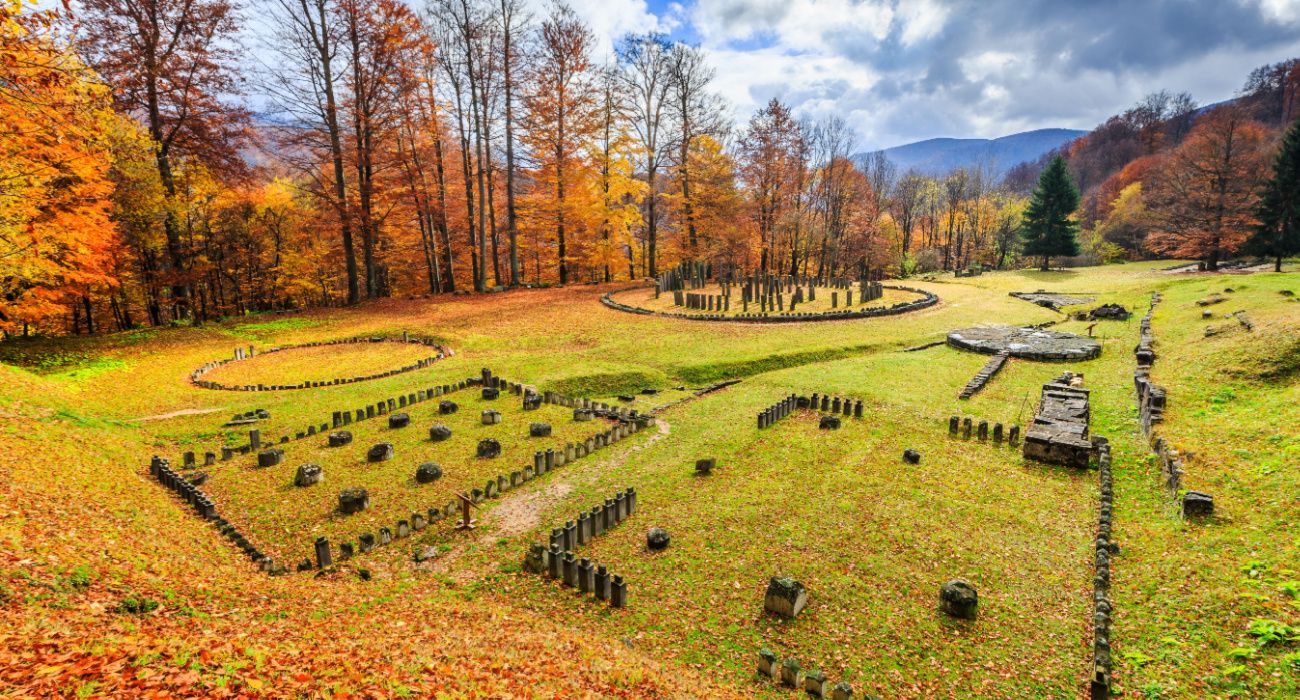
(1278, 233)
(1047, 228)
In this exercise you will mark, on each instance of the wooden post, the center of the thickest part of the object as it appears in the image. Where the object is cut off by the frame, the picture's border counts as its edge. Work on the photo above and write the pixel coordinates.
(466, 503)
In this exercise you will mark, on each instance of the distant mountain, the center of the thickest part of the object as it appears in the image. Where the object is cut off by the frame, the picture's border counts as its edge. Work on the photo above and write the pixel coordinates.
(937, 156)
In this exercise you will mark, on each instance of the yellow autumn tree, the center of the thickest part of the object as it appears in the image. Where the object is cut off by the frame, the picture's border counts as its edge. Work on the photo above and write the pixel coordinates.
(56, 242)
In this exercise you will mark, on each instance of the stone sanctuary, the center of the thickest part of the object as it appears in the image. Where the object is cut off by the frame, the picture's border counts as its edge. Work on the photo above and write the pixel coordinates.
(1025, 343)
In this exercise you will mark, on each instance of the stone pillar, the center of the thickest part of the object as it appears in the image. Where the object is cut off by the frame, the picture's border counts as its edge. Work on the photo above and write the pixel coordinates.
(584, 528)
(600, 579)
(997, 433)
(570, 569)
(597, 521)
(254, 439)
(554, 562)
(965, 427)
(570, 536)
(857, 409)
(618, 593)
(323, 553)
(586, 576)
(620, 506)
(983, 431)
(1013, 436)
(631, 500)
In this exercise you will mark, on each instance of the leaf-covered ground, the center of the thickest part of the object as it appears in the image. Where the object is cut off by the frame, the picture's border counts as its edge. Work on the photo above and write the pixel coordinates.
(112, 587)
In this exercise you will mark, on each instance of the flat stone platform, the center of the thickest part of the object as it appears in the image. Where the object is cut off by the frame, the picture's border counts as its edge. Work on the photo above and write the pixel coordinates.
(1025, 343)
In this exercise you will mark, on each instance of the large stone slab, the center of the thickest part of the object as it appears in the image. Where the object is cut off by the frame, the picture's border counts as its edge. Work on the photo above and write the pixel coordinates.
(1025, 343)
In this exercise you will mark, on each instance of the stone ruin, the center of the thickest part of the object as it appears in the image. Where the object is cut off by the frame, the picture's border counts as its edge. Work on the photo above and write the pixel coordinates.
(308, 474)
(787, 673)
(963, 427)
(353, 501)
(558, 561)
(489, 448)
(785, 597)
(1025, 343)
(1051, 300)
(1105, 312)
(1059, 433)
(428, 472)
(197, 376)
(958, 598)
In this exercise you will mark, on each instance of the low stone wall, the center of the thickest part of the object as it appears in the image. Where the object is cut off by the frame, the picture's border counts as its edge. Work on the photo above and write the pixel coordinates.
(196, 377)
(1102, 608)
(991, 368)
(927, 299)
(559, 561)
(1152, 400)
(161, 470)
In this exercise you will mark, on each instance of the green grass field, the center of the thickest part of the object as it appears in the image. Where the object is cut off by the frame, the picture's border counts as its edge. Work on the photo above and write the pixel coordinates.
(1204, 609)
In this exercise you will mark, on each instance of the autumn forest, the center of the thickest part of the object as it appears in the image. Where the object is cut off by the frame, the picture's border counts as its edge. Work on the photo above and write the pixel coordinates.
(467, 145)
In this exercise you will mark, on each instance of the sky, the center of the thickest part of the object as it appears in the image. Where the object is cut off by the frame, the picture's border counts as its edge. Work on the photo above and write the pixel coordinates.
(905, 70)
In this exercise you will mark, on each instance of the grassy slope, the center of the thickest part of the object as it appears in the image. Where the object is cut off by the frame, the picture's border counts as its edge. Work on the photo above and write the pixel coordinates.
(871, 538)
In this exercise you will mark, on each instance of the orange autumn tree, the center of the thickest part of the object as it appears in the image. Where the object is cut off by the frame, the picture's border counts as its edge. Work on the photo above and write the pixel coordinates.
(1203, 197)
(562, 106)
(56, 241)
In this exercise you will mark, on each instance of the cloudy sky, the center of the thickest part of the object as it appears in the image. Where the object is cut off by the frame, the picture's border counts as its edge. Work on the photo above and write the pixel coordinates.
(905, 70)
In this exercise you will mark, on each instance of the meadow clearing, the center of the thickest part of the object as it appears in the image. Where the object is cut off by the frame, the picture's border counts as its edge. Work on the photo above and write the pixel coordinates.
(1203, 608)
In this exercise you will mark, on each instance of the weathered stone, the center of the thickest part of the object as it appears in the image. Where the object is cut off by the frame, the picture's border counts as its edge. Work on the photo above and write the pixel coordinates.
(439, 432)
(385, 535)
(425, 553)
(958, 599)
(445, 407)
(353, 500)
(491, 393)
(705, 466)
(539, 430)
(427, 473)
(308, 474)
(270, 457)
(490, 417)
(829, 423)
(1197, 504)
(911, 456)
(380, 452)
(767, 666)
(814, 683)
(489, 448)
(790, 672)
(785, 597)
(842, 691)
(657, 539)
(1025, 343)
(399, 420)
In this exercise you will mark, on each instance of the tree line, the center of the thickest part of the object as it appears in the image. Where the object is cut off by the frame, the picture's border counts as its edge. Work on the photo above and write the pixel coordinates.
(468, 145)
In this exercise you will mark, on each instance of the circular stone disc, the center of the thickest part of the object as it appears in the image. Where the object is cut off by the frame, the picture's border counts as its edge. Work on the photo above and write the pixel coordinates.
(1026, 343)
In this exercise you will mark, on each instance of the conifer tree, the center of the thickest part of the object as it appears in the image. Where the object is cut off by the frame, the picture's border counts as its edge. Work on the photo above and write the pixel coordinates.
(1047, 228)
(1277, 234)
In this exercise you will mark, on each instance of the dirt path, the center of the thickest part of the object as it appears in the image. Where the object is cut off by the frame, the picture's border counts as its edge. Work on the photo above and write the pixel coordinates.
(178, 414)
(520, 511)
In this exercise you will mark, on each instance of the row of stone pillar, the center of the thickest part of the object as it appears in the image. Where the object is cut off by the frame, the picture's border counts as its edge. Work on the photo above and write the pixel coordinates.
(964, 426)
(196, 377)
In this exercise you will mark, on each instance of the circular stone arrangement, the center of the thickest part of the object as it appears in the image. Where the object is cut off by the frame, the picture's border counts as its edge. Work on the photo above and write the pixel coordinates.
(923, 299)
(196, 377)
(1025, 343)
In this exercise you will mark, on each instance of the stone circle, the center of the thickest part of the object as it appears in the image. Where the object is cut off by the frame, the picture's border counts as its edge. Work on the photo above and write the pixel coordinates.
(1025, 343)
